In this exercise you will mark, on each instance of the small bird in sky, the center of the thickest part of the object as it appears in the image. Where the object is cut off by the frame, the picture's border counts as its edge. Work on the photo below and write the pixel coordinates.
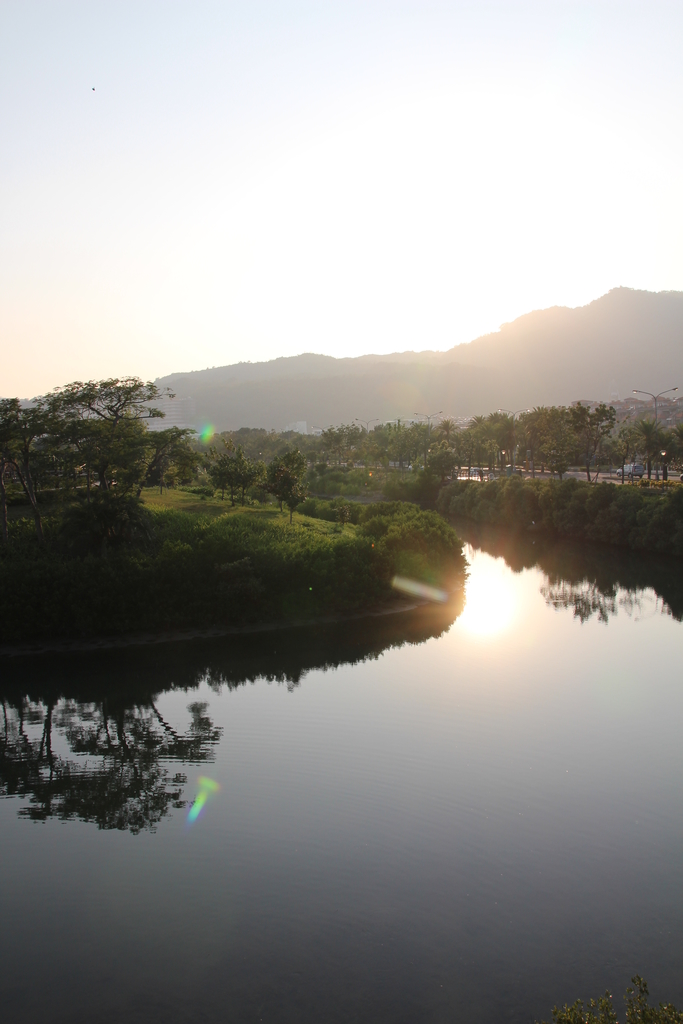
(93, 88)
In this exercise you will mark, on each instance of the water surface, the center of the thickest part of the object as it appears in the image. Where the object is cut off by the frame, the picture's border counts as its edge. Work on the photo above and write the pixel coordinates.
(418, 819)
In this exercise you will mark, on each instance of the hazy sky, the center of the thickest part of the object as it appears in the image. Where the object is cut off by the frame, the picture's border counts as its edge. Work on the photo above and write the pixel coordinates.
(257, 179)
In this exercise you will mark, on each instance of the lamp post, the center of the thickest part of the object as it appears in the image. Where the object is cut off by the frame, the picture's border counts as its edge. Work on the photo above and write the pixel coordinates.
(665, 471)
(637, 391)
(429, 417)
(513, 414)
(367, 423)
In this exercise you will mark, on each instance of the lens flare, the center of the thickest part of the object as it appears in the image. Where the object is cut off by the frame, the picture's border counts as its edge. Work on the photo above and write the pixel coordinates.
(207, 433)
(207, 787)
(417, 589)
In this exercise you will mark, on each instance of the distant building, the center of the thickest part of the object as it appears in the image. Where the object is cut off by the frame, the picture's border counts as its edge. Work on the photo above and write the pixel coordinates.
(178, 412)
(299, 427)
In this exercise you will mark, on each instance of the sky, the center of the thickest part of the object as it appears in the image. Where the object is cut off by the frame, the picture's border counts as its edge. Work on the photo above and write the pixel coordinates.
(251, 180)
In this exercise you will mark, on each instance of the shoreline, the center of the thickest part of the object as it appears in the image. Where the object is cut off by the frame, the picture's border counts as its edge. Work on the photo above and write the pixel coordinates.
(174, 636)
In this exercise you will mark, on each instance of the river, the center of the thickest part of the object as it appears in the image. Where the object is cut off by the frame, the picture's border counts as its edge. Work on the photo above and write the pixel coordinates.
(454, 814)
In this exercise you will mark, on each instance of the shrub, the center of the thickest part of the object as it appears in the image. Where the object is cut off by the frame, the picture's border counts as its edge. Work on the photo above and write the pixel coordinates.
(194, 571)
(647, 519)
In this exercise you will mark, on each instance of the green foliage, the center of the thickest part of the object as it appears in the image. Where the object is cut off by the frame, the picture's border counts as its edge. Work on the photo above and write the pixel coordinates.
(284, 479)
(192, 571)
(421, 487)
(106, 521)
(411, 541)
(601, 1011)
(340, 480)
(84, 434)
(605, 513)
(591, 427)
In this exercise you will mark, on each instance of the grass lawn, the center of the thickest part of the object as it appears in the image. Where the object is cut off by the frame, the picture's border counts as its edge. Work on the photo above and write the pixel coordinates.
(183, 501)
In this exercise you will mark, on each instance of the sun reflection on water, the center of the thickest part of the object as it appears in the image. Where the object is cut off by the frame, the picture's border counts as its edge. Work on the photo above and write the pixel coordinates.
(489, 598)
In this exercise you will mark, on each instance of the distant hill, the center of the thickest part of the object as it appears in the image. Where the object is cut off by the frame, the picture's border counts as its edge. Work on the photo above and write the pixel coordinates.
(626, 339)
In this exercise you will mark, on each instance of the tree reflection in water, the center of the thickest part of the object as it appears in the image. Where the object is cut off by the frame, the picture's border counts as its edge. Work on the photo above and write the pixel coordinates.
(588, 579)
(117, 776)
(82, 737)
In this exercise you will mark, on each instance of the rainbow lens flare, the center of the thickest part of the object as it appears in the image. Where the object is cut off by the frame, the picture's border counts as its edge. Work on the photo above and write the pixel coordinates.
(417, 589)
(207, 787)
(207, 433)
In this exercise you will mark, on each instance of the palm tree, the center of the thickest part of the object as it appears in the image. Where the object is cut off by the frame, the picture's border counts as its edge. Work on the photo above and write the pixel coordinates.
(651, 439)
(677, 439)
(447, 427)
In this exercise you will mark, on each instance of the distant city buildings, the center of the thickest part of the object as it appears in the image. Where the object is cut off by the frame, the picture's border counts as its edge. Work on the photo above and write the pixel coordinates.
(178, 412)
(302, 427)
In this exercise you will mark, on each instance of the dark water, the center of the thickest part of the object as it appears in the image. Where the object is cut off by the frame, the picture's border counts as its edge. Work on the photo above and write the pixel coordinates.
(418, 819)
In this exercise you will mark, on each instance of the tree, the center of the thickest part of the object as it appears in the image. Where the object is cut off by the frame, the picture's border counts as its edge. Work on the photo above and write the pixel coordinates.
(590, 429)
(399, 445)
(651, 441)
(601, 1011)
(247, 472)
(441, 460)
(447, 428)
(558, 441)
(105, 421)
(627, 442)
(22, 429)
(4, 467)
(166, 450)
(113, 399)
(222, 470)
(284, 479)
(531, 426)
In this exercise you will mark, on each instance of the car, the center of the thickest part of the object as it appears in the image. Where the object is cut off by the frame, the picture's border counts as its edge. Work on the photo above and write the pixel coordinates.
(632, 470)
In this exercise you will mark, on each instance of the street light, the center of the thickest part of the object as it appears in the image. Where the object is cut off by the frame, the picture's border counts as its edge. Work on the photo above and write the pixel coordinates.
(636, 391)
(429, 417)
(669, 391)
(367, 423)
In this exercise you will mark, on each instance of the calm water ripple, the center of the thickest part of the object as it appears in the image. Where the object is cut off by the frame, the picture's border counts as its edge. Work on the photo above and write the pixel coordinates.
(449, 815)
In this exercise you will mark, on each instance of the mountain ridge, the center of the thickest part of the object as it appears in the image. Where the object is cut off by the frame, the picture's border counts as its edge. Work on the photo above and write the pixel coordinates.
(626, 338)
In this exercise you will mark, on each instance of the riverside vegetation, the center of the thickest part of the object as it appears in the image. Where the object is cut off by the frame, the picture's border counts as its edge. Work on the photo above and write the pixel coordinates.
(104, 555)
(98, 559)
(601, 1011)
(644, 518)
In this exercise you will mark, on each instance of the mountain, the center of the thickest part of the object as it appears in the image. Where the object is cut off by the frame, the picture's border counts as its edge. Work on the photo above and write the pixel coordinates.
(626, 339)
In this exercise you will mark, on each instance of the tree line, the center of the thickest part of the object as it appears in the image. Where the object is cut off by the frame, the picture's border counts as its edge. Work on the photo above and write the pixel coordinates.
(88, 446)
(553, 437)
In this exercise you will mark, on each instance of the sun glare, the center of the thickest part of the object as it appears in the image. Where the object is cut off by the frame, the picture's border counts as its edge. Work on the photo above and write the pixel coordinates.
(489, 598)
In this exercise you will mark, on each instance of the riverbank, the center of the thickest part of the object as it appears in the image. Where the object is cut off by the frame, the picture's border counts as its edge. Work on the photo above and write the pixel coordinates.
(642, 519)
(247, 567)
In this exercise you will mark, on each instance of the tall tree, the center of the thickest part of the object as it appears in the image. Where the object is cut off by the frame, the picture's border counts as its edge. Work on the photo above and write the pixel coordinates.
(447, 428)
(22, 430)
(558, 441)
(591, 428)
(651, 440)
(284, 479)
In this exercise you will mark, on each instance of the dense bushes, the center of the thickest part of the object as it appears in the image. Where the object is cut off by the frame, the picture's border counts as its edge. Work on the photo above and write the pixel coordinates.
(420, 486)
(340, 480)
(645, 519)
(236, 569)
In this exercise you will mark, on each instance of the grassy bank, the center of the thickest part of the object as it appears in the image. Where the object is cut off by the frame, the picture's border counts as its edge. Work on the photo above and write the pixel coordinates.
(639, 518)
(240, 567)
